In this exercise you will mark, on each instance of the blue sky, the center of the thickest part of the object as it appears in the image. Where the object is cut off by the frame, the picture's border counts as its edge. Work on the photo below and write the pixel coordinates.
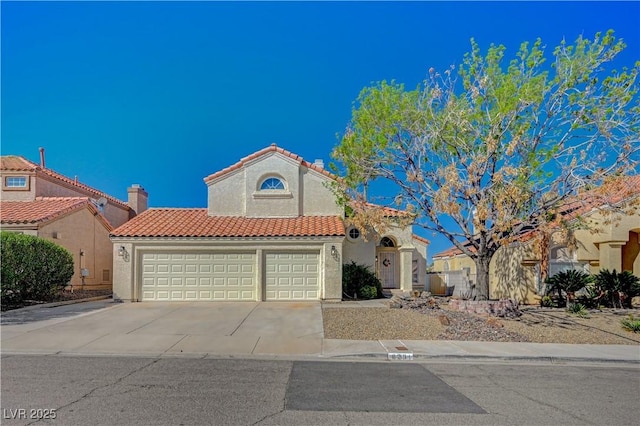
(166, 93)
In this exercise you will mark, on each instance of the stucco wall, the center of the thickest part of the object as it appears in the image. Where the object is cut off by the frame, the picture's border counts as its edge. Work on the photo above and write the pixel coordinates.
(81, 231)
(18, 194)
(226, 197)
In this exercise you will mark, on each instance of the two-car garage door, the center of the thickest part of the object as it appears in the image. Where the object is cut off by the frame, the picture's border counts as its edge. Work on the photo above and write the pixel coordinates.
(229, 276)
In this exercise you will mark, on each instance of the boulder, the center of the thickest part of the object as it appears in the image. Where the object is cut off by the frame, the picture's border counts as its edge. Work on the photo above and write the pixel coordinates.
(635, 302)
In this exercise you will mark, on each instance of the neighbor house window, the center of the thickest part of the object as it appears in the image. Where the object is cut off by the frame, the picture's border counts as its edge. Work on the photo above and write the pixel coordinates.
(16, 182)
(354, 233)
(387, 242)
(271, 184)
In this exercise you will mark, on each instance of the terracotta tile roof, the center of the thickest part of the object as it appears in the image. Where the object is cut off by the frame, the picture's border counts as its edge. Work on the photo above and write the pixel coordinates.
(18, 163)
(45, 209)
(265, 151)
(197, 223)
(421, 239)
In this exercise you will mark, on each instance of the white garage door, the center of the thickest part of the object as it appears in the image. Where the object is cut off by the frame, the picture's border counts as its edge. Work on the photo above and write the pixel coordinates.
(292, 276)
(198, 276)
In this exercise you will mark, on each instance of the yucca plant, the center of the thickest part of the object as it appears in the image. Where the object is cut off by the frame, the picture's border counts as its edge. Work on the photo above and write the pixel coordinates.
(617, 288)
(578, 309)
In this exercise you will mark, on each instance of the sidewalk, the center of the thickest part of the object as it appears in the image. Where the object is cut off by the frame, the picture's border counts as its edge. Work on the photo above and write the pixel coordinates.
(249, 329)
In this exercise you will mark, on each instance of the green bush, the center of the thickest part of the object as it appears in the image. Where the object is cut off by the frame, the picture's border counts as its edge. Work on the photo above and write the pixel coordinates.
(358, 280)
(32, 268)
(567, 282)
(616, 289)
(368, 292)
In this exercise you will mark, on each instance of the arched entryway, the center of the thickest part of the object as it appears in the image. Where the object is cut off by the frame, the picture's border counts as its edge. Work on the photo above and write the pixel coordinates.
(387, 263)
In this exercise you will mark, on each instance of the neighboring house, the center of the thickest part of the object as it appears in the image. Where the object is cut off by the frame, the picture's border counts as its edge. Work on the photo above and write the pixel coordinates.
(38, 201)
(272, 231)
(612, 242)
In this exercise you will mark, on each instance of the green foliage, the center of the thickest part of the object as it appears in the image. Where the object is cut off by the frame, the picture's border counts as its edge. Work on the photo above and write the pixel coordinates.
(547, 302)
(616, 289)
(358, 280)
(32, 268)
(631, 324)
(578, 309)
(567, 282)
(498, 146)
(368, 292)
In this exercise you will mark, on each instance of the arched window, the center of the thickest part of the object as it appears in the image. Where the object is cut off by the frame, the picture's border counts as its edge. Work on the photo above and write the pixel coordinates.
(271, 184)
(387, 242)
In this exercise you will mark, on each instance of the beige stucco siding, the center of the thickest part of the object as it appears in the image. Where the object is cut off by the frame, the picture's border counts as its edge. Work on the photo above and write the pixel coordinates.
(317, 197)
(226, 196)
(18, 194)
(238, 193)
(81, 231)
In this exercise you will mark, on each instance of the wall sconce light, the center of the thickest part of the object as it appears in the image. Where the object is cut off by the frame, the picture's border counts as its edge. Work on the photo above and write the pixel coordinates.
(334, 252)
(121, 251)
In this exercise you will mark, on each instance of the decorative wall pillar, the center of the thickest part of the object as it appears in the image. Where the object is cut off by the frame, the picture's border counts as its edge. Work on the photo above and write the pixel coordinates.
(406, 267)
(611, 256)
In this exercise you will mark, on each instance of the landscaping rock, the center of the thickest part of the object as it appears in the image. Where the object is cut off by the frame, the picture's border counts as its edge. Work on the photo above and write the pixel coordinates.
(635, 302)
(494, 322)
(444, 320)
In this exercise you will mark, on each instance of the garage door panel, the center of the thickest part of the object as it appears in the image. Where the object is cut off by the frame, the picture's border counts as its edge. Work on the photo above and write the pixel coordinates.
(203, 276)
(291, 276)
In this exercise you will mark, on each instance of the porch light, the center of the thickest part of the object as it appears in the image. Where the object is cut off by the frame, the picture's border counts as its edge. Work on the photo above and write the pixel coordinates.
(334, 252)
(121, 251)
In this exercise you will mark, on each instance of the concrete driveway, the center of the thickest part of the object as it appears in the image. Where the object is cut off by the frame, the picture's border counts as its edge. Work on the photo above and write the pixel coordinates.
(158, 328)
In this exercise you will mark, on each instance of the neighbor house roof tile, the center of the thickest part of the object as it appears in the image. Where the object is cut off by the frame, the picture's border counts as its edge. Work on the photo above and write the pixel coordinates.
(265, 151)
(20, 164)
(197, 223)
(44, 209)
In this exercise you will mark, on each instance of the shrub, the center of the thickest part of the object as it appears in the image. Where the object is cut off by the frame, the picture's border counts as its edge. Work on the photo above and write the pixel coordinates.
(32, 268)
(368, 292)
(358, 280)
(631, 324)
(547, 302)
(578, 309)
(616, 289)
(567, 282)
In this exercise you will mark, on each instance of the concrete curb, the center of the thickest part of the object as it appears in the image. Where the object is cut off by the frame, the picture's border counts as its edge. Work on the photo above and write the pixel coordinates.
(55, 304)
(471, 357)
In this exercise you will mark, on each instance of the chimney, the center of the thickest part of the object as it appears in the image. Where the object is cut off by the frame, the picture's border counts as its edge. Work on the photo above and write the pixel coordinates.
(138, 198)
(42, 163)
(319, 163)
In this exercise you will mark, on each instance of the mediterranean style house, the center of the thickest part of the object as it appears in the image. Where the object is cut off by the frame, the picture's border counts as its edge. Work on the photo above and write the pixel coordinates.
(611, 242)
(272, 231)
(39, 201)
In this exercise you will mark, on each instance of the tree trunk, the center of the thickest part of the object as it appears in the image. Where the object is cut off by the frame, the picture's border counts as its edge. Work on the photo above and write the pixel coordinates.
(482, 277)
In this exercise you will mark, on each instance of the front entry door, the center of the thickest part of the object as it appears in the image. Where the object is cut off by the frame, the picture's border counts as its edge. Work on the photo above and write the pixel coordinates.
(387, 269)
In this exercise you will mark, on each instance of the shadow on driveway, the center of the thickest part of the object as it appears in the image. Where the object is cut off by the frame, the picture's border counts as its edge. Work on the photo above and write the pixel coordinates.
(31, 315)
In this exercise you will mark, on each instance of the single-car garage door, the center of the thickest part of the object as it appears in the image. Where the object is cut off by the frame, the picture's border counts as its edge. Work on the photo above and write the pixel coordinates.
(292, 276)
(198, 276)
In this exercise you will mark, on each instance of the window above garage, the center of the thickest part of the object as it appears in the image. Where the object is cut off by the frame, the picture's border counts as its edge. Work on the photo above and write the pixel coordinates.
(272, 187)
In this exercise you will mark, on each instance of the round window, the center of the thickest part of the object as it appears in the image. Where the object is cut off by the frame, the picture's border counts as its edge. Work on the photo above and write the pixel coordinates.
(354, 233)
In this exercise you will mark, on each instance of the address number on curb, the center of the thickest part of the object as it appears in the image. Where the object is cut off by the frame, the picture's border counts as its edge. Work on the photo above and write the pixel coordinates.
(400, 356)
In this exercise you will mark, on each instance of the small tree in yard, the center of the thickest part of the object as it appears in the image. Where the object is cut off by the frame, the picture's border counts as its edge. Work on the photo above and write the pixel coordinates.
(493, 150)
(32, 268)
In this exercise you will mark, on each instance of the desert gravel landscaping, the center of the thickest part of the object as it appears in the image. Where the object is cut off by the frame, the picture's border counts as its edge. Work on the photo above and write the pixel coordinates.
(350, 321)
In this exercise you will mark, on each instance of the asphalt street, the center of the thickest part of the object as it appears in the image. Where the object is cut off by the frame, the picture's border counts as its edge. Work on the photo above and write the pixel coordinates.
(113, 390)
